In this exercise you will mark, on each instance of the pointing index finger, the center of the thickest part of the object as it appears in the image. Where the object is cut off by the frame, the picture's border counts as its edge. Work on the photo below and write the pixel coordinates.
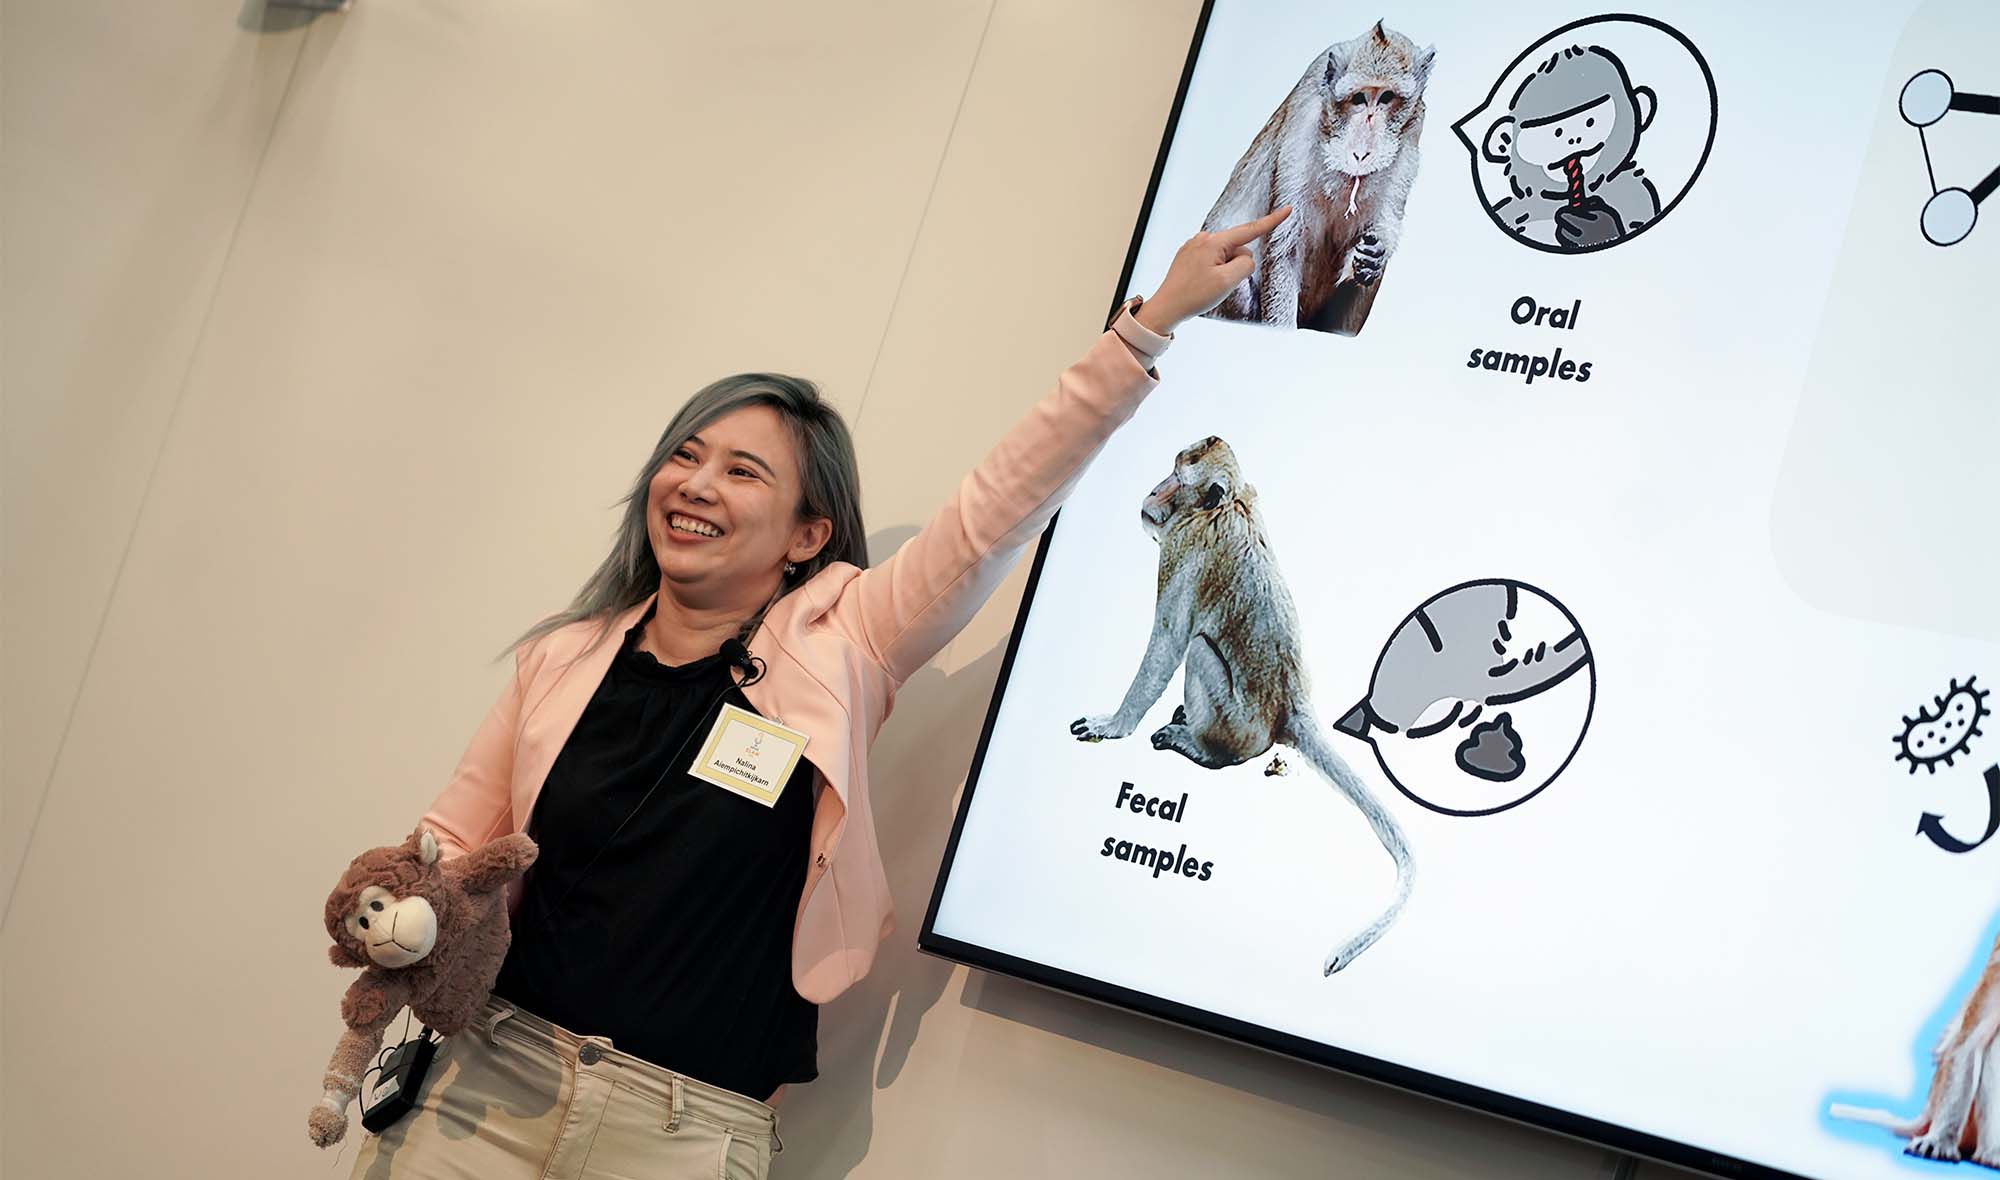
(1250, 231)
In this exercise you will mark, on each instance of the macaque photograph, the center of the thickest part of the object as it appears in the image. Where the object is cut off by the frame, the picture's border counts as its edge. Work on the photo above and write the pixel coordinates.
(1224, 618)
(1341, 150)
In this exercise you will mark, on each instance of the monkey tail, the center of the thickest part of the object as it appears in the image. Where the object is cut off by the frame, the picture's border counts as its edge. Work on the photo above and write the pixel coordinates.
(1307, 739)
(1896, 1125)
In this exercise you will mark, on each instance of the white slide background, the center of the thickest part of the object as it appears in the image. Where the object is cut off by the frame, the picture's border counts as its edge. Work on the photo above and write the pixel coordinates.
(1720, 914)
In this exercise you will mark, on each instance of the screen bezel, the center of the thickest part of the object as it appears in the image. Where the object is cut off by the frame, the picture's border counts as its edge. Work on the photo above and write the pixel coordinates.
(1476, 1098)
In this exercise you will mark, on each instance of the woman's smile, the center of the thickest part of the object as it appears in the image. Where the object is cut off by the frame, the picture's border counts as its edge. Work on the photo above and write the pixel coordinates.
(687, 528)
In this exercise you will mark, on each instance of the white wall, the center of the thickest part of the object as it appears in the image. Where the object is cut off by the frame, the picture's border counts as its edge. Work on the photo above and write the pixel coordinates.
(328, 344)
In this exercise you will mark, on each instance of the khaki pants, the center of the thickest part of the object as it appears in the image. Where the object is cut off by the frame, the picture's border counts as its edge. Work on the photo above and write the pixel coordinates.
(514, 1097)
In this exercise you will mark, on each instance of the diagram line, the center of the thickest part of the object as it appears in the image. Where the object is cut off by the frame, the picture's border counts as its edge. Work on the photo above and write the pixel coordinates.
(1978, 104)
(1928, 170)
(1985, 188)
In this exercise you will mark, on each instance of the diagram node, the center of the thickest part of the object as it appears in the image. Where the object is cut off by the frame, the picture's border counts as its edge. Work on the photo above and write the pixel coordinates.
(1949, 216)
(1926, 98)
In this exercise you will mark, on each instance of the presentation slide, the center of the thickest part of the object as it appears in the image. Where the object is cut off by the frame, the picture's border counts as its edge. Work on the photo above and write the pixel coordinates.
(1537, 644)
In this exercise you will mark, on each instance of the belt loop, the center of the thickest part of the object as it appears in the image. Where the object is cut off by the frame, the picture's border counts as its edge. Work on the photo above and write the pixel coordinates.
(488, 1025)
(777, 1140)
(673, 1122)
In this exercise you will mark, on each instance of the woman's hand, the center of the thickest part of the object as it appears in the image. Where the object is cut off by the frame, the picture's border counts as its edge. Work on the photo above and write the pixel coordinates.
(1206, 268)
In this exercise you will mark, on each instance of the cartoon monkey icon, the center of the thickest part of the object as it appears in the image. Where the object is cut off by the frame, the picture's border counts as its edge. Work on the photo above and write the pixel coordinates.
(1554, 146)
(1569, 142)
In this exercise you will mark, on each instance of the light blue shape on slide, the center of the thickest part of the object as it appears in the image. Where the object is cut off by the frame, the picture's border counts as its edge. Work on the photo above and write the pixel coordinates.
(1909, 1105)
(1925, 98)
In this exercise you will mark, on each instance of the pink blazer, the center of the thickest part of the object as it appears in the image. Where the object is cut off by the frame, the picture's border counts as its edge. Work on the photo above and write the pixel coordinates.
(835, 649)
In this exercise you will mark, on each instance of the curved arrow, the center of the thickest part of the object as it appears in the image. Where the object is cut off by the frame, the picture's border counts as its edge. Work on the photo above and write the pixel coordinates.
(1932, 825)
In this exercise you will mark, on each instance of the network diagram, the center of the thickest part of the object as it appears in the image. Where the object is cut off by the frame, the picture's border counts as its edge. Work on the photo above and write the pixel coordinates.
(1950, 213)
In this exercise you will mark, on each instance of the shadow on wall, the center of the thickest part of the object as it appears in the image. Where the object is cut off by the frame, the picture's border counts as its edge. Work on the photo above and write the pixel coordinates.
(914, 770)
(261, 16)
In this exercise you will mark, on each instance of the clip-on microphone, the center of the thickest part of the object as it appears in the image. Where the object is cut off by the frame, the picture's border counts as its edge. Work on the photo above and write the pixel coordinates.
(736, 653)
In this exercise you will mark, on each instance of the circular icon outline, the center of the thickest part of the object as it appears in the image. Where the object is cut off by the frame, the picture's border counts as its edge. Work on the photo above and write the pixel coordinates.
(1583, 731)
(1707, 147)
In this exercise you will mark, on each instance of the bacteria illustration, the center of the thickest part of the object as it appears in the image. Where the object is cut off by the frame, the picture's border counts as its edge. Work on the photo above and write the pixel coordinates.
(1946, 729)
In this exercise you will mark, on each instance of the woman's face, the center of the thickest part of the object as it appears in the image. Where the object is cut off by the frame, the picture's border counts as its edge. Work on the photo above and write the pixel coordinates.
(723, 510)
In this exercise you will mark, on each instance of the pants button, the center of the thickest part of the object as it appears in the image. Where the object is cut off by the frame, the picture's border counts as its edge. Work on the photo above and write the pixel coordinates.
(589, 1054)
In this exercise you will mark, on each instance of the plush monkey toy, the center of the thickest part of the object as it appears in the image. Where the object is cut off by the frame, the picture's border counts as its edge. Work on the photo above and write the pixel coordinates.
(427, 933)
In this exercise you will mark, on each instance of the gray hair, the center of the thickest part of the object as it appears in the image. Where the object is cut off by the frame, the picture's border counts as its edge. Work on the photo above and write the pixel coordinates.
(832, 490)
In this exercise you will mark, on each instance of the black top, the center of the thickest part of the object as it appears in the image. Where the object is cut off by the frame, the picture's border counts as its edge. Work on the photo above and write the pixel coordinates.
(677, 944)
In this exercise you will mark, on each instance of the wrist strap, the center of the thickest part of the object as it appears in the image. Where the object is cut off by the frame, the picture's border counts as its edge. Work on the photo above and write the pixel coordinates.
(1143, 340)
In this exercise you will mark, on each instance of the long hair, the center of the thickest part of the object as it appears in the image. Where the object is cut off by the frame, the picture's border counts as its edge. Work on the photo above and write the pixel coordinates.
(832, 489)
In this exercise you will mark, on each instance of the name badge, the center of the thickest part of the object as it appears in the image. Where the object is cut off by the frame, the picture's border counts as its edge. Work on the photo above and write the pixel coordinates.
(750, 755)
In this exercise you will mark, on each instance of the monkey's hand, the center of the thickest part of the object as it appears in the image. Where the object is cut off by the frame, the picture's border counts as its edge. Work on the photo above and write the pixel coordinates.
(1596, 224)
(1096, 729)
(1370, 256)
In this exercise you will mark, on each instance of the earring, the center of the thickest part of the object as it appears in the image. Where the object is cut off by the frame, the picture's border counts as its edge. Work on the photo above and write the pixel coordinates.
(790, 569)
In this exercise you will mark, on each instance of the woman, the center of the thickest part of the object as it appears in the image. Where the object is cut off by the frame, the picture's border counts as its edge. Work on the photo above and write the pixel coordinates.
(686, 931)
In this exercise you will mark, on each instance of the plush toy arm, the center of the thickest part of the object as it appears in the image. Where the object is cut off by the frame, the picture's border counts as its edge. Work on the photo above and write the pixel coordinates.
(327, 1122)
(370, 1004)
(493, 864)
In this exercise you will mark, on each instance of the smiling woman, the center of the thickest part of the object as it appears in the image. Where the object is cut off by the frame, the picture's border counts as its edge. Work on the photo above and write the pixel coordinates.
(752, 488)
(684, 925)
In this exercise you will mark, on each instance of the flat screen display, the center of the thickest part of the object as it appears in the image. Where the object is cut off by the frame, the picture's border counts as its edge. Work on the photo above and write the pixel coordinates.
(1536, 646)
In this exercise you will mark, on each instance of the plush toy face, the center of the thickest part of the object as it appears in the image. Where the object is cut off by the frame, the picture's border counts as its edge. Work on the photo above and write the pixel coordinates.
(394, 931)
(383, 910)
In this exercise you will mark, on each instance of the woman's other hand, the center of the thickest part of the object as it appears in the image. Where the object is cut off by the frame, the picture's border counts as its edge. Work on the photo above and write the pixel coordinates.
(1204, 270)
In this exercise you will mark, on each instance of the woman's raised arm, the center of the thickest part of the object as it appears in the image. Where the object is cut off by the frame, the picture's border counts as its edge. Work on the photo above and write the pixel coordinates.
(906, 609)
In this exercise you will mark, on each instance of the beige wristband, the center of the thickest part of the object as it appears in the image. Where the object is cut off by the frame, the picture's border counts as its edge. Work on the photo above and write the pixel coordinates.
(1143, 340)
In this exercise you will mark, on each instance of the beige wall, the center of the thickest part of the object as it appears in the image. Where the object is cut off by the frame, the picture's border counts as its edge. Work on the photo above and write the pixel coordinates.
(327, 346)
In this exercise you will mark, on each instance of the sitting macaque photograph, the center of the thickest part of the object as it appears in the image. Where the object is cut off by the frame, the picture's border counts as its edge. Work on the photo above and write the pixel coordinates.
(1341, 150)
